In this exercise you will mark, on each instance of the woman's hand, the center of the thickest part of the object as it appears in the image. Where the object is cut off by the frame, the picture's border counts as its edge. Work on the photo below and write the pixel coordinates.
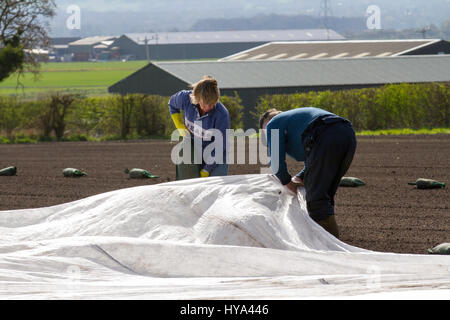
(204, 173)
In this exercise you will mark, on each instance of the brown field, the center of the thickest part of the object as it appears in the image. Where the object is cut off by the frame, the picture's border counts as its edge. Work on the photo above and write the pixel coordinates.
(386, 215)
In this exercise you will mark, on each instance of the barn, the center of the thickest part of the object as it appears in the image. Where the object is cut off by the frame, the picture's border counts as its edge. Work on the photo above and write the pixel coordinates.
(208, 45)
(251, 79)
(90, 48)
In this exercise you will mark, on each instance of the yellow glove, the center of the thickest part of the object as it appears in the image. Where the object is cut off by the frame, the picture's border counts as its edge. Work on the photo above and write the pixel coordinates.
(204, 173)
(179, 124)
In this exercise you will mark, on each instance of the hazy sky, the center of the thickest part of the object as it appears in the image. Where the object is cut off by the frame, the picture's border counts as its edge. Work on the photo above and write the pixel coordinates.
(243, 7)
(163, 15)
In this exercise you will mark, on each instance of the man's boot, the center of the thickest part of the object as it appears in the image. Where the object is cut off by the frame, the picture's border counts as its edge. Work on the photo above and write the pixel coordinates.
(330, 225)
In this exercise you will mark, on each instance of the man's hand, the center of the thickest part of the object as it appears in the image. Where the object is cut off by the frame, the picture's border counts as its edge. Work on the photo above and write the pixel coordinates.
(297, 181)
(294, 184)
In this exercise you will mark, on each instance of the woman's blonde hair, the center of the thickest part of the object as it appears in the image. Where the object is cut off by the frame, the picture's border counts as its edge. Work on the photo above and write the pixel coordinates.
(205, 90)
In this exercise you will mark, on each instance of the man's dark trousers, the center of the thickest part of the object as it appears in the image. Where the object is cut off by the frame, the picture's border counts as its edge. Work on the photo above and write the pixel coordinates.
(330, 145)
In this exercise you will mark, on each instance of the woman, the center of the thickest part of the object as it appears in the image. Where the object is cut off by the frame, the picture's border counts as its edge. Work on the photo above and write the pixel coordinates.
(195, 113)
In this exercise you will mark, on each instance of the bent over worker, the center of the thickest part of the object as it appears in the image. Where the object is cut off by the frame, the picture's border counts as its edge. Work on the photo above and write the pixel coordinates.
(195, 112)
(325, 142)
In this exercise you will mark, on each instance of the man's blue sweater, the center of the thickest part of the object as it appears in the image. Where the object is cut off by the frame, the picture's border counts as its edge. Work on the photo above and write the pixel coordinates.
(291, 125)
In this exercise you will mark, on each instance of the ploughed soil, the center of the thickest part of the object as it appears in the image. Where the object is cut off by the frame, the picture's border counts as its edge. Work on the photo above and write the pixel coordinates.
(385, 215)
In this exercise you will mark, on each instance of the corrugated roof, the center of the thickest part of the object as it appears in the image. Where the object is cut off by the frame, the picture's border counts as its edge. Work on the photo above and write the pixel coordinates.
(63, 40)
(330, 49)
(234, 36)
(321, 72)
(60, 46)
(92, 40)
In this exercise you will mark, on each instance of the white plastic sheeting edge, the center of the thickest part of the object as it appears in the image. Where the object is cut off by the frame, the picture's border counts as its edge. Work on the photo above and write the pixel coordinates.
(235, 237)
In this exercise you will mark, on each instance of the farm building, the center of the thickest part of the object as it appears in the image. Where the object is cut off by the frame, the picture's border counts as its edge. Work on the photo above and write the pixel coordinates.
(91, 48)
(342, 49)
(60, 48)
(204, 45)
(252, 79)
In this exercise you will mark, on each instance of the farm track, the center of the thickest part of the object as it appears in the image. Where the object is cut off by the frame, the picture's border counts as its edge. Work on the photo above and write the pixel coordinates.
(386, 215)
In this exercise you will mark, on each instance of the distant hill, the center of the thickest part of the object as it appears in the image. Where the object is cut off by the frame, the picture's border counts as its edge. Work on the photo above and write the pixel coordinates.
(273, 21)
(432, 33)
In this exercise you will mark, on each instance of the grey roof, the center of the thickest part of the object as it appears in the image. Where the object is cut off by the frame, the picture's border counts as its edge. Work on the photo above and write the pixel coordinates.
(234, 36)
(60, 46)
(320, 72)
(331, 49)
(92, 40)
(63, 40)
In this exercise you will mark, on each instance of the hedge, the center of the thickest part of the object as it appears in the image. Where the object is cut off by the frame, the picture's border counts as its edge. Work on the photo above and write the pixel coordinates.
(73, 117)
(413, 106)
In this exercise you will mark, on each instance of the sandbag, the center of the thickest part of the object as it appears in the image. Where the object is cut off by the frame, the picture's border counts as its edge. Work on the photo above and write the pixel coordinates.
(443, 248)
(74, 173)
(9, 171)
(137, 173)
(351, 182)
(422, 183)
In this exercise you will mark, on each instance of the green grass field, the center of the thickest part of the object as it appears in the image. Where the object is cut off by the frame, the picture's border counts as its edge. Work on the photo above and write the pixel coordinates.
(394, 132)
(91, 78)
(403, 132)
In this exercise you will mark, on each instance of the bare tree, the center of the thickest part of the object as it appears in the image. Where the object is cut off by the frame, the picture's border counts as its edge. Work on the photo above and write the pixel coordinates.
(27, 19)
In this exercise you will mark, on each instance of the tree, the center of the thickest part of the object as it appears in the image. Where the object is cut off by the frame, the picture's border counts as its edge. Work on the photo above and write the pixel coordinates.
(23, 27)
(53, 113)
(11, 57)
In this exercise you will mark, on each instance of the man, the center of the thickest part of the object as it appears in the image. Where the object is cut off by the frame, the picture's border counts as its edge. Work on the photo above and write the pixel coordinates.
(325, 142)
(202, 112)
